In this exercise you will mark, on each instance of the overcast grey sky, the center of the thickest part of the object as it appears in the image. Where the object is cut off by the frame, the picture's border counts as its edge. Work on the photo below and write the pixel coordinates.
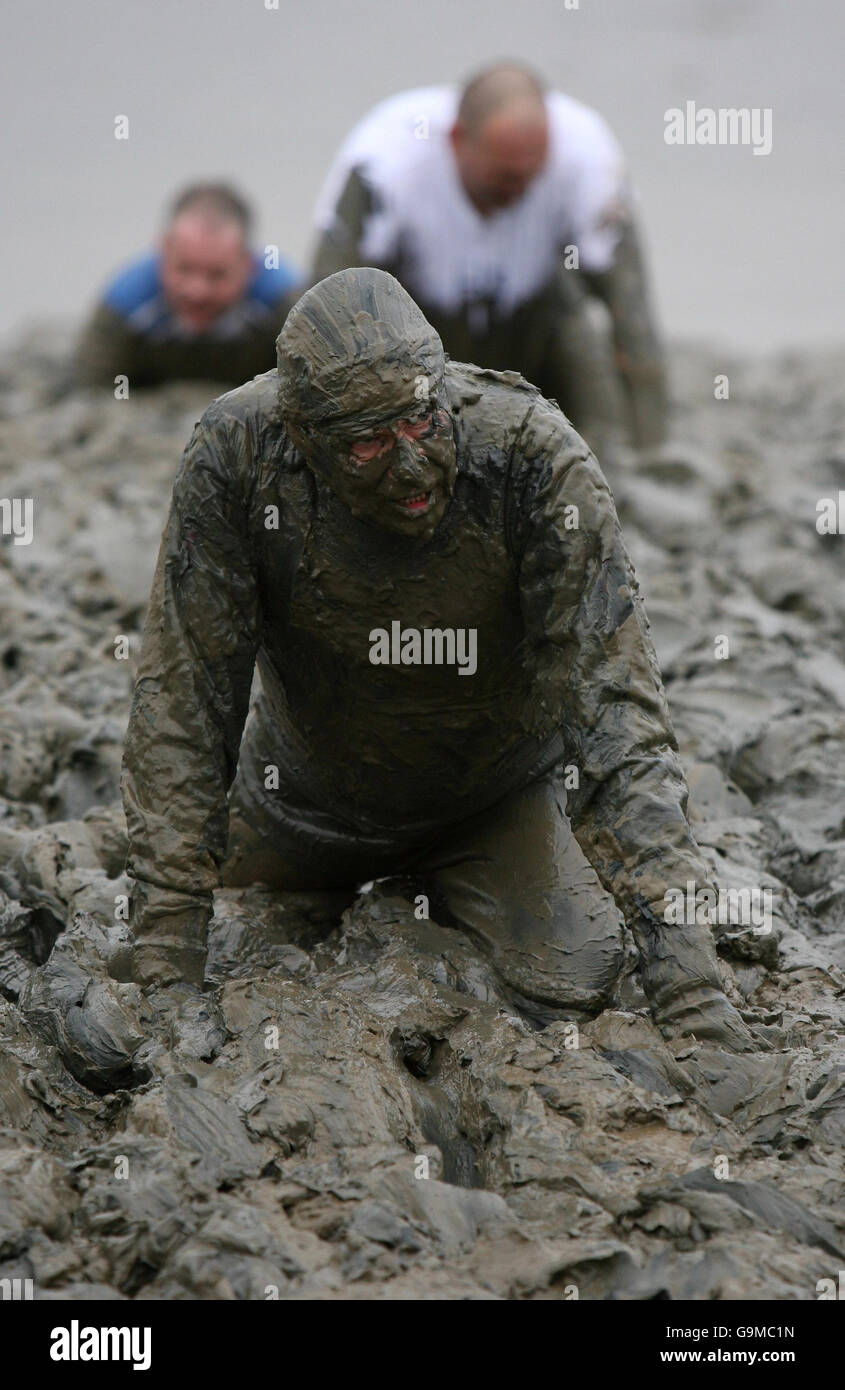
(746, 250)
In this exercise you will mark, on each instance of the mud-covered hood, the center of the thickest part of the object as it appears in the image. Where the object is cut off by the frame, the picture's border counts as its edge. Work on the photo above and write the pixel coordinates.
(356, 347)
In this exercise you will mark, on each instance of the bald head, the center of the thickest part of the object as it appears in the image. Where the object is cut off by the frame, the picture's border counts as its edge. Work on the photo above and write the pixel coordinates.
(495, 89)
(501, 136)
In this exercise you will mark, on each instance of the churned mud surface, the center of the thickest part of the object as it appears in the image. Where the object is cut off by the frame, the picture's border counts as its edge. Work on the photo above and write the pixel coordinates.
(273, 1136)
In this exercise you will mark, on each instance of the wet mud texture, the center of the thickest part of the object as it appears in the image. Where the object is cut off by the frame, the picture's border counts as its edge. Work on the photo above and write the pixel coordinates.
(252, 1167)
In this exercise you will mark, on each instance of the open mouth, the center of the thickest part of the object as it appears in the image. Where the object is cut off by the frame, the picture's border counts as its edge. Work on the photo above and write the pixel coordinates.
(415, 505)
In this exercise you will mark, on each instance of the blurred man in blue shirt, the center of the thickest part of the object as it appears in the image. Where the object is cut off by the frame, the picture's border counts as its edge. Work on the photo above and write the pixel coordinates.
(202, 306)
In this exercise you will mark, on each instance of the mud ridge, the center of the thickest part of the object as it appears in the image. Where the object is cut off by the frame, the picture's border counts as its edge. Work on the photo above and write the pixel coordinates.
(355, 1108)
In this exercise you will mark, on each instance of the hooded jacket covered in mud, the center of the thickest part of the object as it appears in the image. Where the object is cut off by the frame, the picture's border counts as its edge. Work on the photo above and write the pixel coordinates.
(265, 560)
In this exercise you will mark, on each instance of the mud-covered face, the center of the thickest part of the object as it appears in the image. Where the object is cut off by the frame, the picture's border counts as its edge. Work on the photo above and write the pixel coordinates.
(398, 473)
(362, 392)
(205, 269)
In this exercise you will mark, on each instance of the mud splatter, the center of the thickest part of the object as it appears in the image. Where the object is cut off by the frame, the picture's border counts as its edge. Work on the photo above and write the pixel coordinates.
(273, 1134)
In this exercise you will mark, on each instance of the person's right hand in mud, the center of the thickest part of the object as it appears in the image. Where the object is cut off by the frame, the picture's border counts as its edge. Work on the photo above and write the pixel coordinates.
(169, 933)
(707, 1015)
(682, 981)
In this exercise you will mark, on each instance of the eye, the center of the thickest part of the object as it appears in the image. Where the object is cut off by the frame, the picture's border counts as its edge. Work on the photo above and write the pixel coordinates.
(417, 428)
(365, 449)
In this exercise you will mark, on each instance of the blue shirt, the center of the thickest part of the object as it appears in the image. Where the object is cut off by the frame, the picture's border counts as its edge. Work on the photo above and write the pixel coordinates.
(137, 295)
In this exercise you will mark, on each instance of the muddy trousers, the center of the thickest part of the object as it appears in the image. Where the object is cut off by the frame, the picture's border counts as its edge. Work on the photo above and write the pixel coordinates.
(513, 878)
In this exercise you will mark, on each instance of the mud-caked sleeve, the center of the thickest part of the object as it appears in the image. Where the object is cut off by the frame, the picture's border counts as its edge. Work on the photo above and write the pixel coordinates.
(638, 352)
(106, 348)
(190, 703)
(339, 244)
(596, 679)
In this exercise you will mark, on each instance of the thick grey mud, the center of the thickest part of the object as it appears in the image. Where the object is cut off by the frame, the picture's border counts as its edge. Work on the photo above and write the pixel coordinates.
(273, 1134)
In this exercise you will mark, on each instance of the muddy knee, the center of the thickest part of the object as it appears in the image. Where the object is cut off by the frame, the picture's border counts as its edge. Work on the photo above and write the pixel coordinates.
(521, 887)
(569, 955)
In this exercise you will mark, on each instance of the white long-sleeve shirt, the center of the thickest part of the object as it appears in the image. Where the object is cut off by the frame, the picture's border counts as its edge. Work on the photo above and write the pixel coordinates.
(424, 223)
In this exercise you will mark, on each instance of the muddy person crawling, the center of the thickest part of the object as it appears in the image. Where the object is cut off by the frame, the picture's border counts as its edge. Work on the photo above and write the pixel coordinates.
(370, 494)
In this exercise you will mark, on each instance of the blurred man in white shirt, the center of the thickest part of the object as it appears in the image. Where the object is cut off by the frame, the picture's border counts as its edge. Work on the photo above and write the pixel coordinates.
(505, 210)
